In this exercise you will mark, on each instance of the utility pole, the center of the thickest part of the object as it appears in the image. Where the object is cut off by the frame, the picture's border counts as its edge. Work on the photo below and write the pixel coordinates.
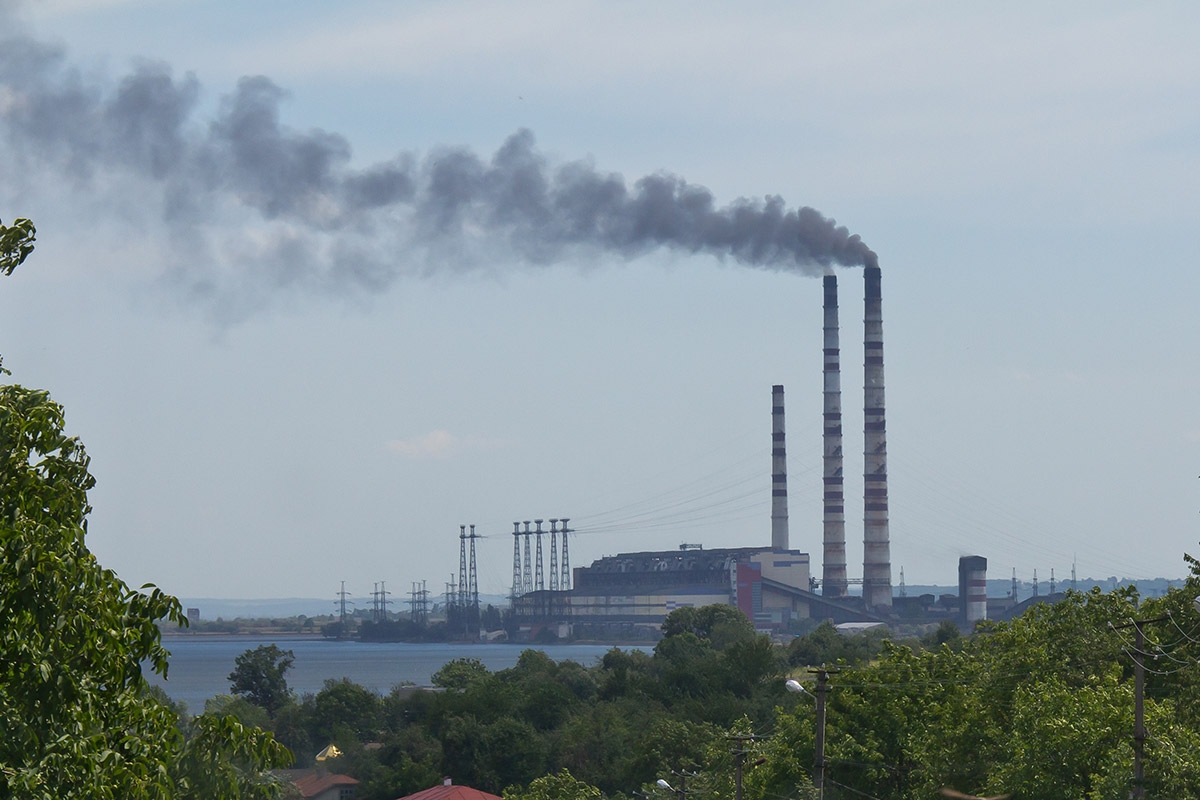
(819, 755)
(739, 756)
(682, 790)
(1138, 790)
(819, 748)
(1139, 712)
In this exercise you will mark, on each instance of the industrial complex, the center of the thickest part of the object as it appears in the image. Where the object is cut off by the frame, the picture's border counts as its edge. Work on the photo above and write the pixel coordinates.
(629, 594)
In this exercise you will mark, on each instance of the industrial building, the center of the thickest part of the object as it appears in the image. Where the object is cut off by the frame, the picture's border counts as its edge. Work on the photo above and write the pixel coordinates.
(631, 593)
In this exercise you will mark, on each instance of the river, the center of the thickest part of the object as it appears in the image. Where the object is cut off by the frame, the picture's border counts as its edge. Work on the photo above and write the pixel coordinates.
(200, 665)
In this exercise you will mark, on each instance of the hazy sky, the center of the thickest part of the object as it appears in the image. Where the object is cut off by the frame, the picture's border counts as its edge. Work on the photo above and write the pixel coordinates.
(317, 283)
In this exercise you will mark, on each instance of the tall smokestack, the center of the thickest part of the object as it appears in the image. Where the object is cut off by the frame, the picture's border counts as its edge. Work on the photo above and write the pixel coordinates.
(833, 579)
(779, 508)
(877, 566)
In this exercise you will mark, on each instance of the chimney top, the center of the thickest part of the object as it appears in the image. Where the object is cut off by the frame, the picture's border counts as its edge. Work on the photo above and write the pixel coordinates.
(446, 781)
(872, 277)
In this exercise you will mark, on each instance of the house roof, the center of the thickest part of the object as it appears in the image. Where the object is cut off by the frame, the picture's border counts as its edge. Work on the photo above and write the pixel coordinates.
(313, 785)
(450, 792)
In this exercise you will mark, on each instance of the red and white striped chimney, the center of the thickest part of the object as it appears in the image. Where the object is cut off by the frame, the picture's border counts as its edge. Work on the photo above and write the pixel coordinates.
(779, 507)
(877, 566)
(833, 578)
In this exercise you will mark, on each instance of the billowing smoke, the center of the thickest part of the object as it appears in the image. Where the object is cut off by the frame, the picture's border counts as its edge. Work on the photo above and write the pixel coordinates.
(305, 216)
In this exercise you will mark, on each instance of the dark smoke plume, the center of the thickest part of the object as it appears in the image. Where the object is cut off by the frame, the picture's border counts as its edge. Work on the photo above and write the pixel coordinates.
(327, 223)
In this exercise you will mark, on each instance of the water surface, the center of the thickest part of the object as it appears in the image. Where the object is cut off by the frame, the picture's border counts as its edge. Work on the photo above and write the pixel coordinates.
(200, 664)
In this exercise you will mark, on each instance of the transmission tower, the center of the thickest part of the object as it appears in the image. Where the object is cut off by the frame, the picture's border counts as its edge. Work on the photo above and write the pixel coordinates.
(462, 566)
(553, 555)
(527, 577)
(516, 583)
(419, 603)
(474, 575)
(539, 582)
(564, 583)
(342, 595)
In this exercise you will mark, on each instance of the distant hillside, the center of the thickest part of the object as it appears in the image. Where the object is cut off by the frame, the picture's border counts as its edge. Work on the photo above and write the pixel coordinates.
(1000, 587)
(214, 608)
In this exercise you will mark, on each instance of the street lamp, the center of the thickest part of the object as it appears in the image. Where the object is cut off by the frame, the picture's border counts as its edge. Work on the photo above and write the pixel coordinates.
(794, 686)
(681, 791)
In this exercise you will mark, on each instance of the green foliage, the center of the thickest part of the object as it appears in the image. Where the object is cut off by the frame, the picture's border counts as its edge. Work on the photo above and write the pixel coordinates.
(76, 716)
(561, 785)
(721, 625)
(224, 758)
(947, 633)
(1041, 706)
(1065, 739)
(343, 712)
(259, 676)
(459, 673)
(824, 645)
(16, 243)
(245, 712)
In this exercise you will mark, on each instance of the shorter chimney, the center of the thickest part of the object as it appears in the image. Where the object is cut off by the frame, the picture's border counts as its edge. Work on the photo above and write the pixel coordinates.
(779, 505)
(972, 590)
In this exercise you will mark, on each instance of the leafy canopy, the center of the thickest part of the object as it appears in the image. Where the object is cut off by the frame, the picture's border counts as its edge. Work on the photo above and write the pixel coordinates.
(16, 243)
(258, 675)
(77, 717)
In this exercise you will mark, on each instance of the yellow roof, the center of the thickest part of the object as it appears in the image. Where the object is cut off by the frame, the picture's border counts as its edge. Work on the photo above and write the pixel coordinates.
(329, 752)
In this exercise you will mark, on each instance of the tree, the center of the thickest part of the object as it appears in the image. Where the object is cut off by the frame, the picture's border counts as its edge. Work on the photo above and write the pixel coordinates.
(721, 624)
(16, 243)
(459, 673)
(258, 675)
(561, 785)
(77, 718)
(344, 711)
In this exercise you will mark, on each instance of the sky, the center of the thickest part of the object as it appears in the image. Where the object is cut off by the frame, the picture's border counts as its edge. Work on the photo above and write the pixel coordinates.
(319, 283)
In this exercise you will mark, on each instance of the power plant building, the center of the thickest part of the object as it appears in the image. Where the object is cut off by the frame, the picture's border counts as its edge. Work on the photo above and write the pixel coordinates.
(636, 591)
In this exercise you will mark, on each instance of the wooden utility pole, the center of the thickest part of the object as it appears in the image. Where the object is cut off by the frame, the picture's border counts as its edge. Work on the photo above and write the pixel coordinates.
(819, 755)
(1138, 790)
(739, 758)
(1139, 711)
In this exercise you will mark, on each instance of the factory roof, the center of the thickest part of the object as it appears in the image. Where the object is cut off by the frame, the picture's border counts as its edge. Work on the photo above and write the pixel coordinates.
(666, 560)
